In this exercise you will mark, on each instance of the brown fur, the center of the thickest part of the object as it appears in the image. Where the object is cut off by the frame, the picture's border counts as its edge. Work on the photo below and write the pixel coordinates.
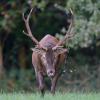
(47, 41)
(51, 41)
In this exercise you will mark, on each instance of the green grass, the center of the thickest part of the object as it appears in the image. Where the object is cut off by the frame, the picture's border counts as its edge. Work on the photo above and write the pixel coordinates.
(48, 96)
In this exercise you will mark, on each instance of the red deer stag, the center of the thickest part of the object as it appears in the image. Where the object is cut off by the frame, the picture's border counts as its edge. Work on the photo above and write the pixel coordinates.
(48, 55)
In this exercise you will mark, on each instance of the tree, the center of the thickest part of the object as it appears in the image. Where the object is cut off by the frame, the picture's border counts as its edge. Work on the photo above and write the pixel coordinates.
(9, 17)
(87, 22)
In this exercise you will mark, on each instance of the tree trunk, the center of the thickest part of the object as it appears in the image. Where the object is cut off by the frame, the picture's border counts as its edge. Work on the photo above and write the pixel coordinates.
(22, 58)
(1, 62)
(98, 78)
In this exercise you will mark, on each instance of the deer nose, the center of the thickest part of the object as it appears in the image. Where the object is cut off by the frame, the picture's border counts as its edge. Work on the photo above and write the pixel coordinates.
(51, 73)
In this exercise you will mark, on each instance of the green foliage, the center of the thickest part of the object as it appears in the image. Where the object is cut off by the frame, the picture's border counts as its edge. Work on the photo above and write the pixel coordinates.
(86, 16)
(18, 80)
(49, 21)
(87, 23)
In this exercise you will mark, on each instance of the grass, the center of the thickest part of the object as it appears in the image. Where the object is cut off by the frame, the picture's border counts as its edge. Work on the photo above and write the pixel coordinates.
(48, 96)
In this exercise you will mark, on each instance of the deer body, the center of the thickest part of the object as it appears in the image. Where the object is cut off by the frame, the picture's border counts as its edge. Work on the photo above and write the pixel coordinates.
(40, 70)
(48, 55)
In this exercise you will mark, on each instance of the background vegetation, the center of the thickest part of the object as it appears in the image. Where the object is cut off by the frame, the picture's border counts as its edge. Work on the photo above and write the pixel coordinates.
(82, 68)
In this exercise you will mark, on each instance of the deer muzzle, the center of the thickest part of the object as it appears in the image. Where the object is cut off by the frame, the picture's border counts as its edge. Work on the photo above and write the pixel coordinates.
(51, 72)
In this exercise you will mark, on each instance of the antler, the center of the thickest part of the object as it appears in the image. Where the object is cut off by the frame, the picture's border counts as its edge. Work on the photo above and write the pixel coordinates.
(68, 33)
(29, 34)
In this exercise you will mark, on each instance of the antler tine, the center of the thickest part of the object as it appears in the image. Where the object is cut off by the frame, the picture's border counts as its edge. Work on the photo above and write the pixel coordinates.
(29, 34)
(28, 17)
(26, 33)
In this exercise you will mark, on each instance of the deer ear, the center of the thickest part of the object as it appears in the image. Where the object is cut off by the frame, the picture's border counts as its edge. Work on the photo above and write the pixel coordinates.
(38, 50)
(60, 51)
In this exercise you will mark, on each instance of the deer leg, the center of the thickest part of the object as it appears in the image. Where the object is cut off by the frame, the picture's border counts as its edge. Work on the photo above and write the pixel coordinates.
(53, 83)
(41, 83)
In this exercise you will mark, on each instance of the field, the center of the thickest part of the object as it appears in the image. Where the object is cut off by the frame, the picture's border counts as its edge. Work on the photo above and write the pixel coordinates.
(57, 96)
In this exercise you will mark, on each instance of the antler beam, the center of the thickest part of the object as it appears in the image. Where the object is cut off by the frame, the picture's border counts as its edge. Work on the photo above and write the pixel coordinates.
(29, 34)
(68, 33)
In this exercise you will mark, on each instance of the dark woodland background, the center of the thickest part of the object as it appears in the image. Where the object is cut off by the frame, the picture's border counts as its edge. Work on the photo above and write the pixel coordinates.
(81, 71)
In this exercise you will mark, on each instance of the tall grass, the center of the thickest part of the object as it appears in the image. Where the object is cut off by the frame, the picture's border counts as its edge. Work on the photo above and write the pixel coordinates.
(48, 96)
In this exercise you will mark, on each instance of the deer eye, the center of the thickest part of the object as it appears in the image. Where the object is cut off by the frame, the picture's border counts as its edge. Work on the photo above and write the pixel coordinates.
(43, 57)
(55, 58)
